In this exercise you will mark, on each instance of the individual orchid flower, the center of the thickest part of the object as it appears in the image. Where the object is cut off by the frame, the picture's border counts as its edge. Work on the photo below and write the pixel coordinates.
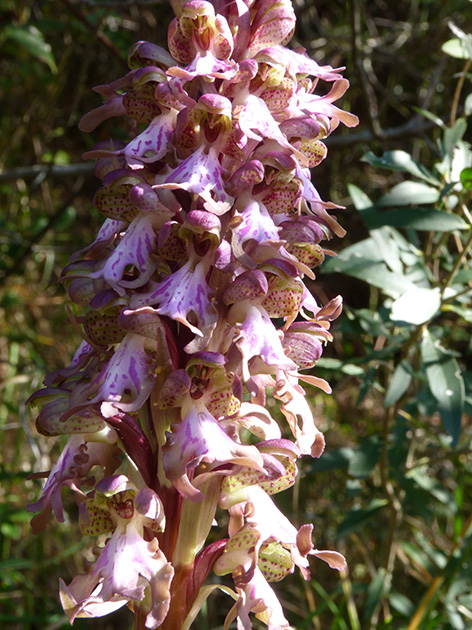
(128, 564)
(195, 321)
(78, 457)
(264, 546)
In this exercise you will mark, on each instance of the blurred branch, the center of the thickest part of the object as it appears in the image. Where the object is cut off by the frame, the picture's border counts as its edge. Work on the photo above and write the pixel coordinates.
(416, 126)
(457, 93)
(39, 172)
(359, 59)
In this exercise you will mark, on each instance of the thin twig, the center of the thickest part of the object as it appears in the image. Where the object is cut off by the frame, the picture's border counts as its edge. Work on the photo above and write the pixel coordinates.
(416, 126)
(457, 93)
(101, 36)
(370, 98)
(41, 171)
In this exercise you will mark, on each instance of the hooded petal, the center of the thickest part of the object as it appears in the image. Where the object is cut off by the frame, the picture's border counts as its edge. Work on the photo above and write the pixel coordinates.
(126, 381)
(134, 251)
(200, 438)
(201, 174)
(183, 296)
(257, 337)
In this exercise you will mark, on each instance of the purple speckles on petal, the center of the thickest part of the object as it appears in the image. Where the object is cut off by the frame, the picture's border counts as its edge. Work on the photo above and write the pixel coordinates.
(183, 293)
(200, 438)
(201, 174)
(133, 251)
(127, 379)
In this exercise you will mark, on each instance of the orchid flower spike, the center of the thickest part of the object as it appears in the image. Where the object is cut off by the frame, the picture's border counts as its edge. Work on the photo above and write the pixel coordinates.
(194, 312)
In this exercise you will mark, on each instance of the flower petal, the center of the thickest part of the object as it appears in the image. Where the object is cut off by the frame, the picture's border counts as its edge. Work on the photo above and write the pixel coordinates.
(200, 438)
(126, 567)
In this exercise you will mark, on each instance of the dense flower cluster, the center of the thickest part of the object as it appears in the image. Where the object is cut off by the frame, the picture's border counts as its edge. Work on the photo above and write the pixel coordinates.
(196, 312)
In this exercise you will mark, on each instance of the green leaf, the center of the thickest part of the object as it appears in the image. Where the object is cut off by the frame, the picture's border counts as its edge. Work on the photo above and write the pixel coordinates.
(399, 446)
(416, 306)
(371, 322)
(66, 220)
(364, 260)
(33, 41)
(365, 457)
(402, 604)
(423, 219)
(341, 366)
(418, 556)
(461, 159)
(360, 200)
(453, 135)
(379, 276)
(434, 488)
(375, 592)
(409, 193)
(458, 48)
(389, 246)
(400, 161)
(366, 249)
(468, 105)
(465, 313)
(430, 116)
(445, 383)
(466, 177)
(358, 517)
(336, 459)
(401, 379)
(366, 384)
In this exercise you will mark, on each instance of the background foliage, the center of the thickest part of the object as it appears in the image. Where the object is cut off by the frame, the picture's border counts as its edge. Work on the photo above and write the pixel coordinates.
(394, 489)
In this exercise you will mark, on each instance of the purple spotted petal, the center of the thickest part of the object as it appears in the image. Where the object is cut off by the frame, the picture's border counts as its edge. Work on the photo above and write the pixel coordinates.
(127, 567)
(126, 381)
(183, 296)
(141, 53)
(273, 24)
(297, 62)
(201, 174)
(258, 337)
(200, 438)
(153, 143)
(257, 122)
(149, 146)
(82, 356)
(107, 233)
(113, 107)
(205, 65)
(256, 224)
(134, 250)
(313, 104)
